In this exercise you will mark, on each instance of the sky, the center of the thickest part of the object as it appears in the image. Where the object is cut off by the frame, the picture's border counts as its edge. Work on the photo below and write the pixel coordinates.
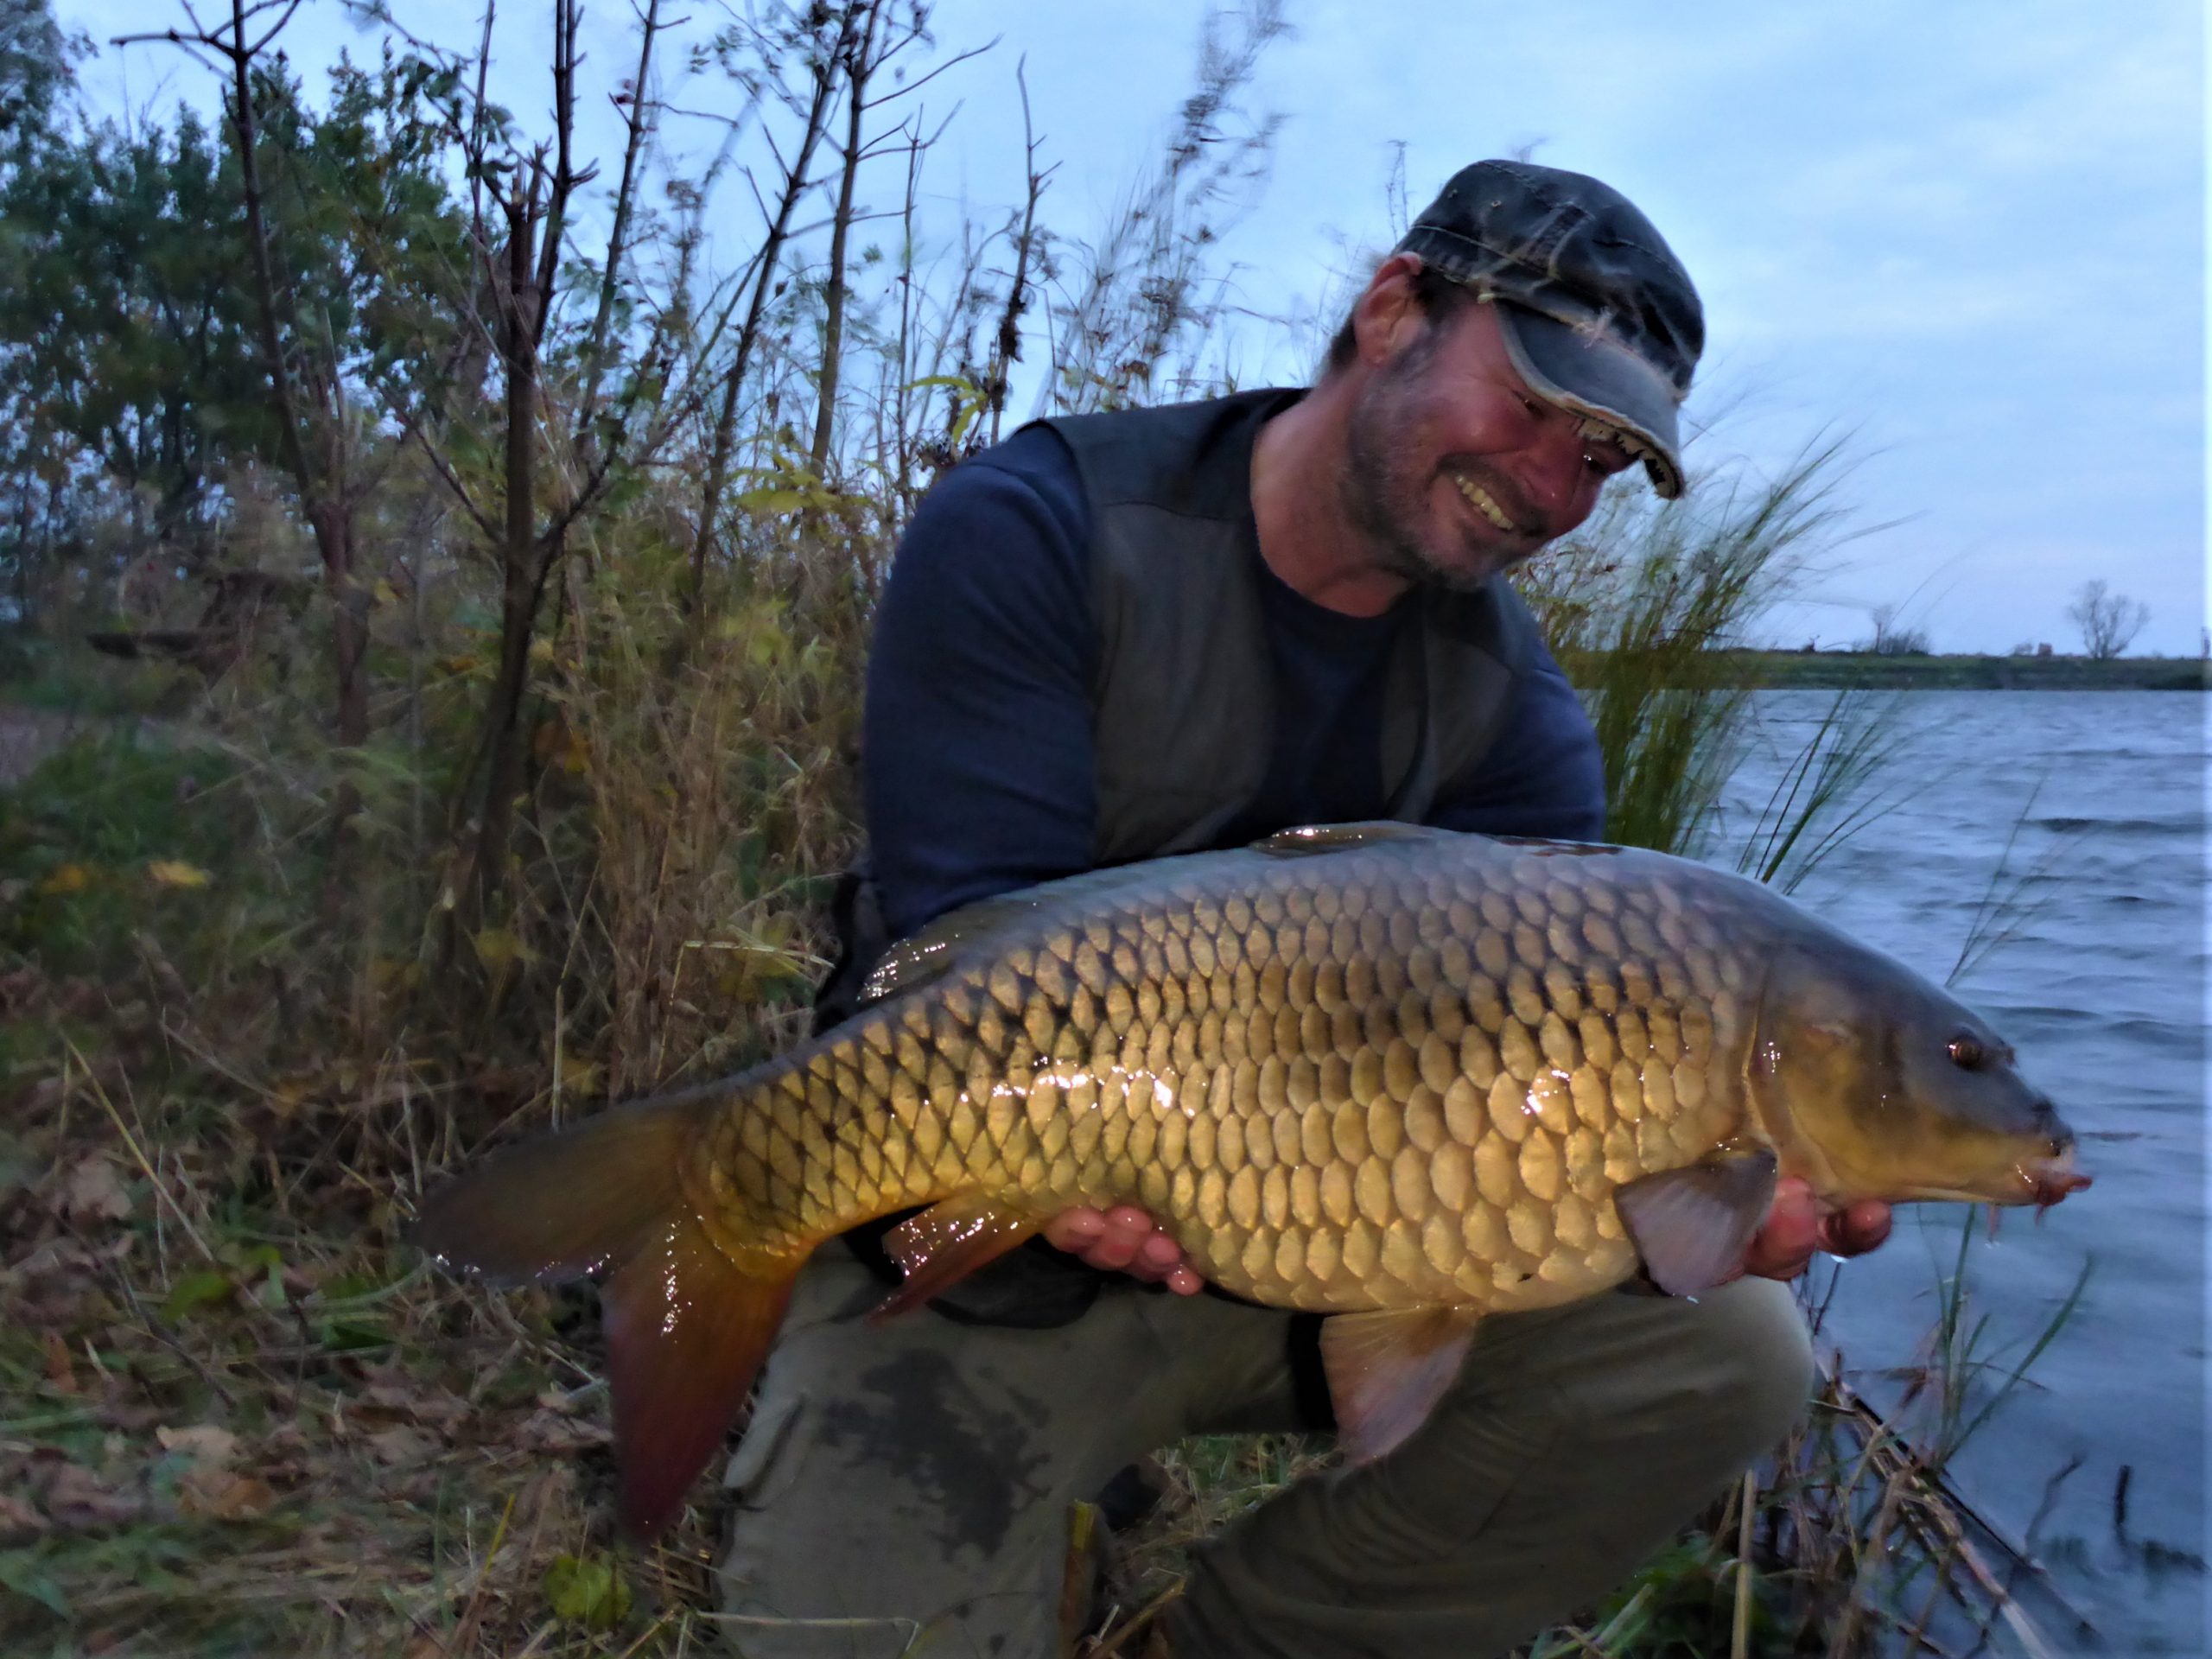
(1971, 237)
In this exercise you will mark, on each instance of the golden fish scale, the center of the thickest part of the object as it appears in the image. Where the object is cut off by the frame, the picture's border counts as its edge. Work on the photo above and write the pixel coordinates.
(1371, 1078)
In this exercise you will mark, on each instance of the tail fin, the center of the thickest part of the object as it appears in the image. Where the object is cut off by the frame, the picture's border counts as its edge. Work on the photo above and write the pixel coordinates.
(686, 1329)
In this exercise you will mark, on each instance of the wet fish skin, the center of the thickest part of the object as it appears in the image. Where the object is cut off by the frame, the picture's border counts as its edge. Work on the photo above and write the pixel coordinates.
(1397, 1074)
(1406, 1073)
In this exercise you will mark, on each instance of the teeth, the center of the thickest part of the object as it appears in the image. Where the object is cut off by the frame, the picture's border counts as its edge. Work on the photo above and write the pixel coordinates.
(1484, 505)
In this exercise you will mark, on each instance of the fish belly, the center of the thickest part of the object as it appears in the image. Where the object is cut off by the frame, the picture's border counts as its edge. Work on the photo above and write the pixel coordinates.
(1405, 1074)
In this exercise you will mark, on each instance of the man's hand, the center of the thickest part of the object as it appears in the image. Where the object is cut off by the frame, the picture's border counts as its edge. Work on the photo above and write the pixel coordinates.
(1795, 1227)
(1124, 1240)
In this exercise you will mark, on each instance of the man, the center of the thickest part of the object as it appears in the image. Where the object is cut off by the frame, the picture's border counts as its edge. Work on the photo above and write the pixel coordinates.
(1124, 636)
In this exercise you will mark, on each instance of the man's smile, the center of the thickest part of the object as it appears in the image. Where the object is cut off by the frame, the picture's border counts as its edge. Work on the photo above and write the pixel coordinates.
(1484, 504)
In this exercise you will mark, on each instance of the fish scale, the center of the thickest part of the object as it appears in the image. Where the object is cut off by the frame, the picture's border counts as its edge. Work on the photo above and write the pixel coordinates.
(1400, 1077)
(1348, 1082)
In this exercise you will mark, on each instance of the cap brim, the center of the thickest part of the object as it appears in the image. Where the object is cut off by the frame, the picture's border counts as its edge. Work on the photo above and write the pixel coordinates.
(1602, 379)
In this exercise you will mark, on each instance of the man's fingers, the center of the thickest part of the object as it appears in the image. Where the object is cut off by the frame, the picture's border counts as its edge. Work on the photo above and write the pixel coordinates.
(1796, 1227)
(1855, 1231)
(1113, 1252)
(1160, 1251)
(1074, 1230)
(1784, 1244)
(1123, 1240)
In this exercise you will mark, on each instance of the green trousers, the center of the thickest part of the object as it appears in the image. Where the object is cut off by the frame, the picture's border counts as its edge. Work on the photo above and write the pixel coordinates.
(906, 1489)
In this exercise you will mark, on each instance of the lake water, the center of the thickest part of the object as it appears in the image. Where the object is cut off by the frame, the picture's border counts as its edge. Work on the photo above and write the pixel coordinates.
(2100, 983)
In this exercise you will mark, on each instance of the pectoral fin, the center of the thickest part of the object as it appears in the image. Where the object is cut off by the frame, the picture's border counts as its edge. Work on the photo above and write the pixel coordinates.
(1387, 1372)
(949, 1241)
(1692, 1225)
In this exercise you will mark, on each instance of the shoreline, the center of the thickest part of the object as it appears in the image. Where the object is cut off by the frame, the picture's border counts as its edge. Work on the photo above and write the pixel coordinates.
(1842, 670)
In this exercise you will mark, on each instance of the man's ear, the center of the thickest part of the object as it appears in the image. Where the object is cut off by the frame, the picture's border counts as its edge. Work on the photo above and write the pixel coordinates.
(1387, 314)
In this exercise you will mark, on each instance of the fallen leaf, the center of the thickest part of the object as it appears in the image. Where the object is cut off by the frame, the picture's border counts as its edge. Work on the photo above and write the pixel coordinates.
(65, 878)
(207, 1445)
(399, 1446)
(60, 1365)
(414, 1401)
(588, 1590)
(173, 873)
(548, 1431)
(93, 1191)
(19, 1522)
(220, 1494)
(76, 1498)
(198, 1288)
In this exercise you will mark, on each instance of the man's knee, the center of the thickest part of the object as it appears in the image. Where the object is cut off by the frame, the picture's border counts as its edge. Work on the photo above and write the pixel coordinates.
(1758, 1364)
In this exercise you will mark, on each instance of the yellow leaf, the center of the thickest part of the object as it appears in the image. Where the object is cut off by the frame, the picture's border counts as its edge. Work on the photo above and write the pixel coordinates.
(67, 878)
(218, 1494)
(499, 950)
(169, 872)
(771, 501)
(385, 593)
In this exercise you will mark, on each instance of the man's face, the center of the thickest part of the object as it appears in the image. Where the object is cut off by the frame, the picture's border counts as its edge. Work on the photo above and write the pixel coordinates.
(1454, 469)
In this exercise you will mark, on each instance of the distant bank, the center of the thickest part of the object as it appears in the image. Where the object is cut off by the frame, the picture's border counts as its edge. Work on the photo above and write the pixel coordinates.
(1836, 668)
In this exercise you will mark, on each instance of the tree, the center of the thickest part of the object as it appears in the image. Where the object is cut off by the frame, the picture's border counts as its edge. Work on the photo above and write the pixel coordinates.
(340, 222)
(2108, 621)
(125, 333)
(34, 70)
(1890, 639)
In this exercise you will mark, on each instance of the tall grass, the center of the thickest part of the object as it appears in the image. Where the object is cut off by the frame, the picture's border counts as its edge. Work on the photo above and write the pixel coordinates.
(1637, 604)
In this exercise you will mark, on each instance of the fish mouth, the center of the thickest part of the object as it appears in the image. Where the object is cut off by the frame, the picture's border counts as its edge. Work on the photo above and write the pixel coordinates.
(2049, 1180)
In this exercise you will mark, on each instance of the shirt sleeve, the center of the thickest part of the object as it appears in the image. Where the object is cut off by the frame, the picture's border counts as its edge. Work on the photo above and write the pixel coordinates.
(976, 741)
(1544, 775)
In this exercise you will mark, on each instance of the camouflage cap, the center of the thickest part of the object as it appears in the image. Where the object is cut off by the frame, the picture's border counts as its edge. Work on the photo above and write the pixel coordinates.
(1598, 314)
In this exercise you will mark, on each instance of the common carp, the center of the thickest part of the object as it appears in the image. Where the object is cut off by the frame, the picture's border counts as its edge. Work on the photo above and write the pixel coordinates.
(1401, 1076)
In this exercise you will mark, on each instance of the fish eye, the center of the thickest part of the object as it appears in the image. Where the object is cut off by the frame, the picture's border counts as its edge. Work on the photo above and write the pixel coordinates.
(1966, 1051)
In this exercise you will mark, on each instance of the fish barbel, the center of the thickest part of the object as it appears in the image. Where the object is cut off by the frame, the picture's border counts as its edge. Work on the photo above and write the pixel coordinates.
(1402, 1076)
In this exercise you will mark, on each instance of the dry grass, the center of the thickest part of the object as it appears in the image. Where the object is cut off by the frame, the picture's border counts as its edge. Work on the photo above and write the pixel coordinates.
(240, 1415)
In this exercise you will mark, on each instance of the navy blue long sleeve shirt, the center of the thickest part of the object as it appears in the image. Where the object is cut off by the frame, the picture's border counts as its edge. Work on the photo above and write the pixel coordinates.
(977, 756)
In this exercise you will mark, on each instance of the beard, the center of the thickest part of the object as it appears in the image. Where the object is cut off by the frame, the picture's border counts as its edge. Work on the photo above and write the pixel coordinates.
(1387, 485)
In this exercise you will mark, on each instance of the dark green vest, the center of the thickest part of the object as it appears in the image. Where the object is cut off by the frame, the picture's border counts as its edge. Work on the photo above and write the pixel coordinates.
(1183, 689)
(1183, 692)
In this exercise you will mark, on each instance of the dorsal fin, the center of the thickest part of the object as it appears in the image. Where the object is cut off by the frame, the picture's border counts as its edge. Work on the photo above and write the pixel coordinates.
(929, 954)
(1311, 838)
